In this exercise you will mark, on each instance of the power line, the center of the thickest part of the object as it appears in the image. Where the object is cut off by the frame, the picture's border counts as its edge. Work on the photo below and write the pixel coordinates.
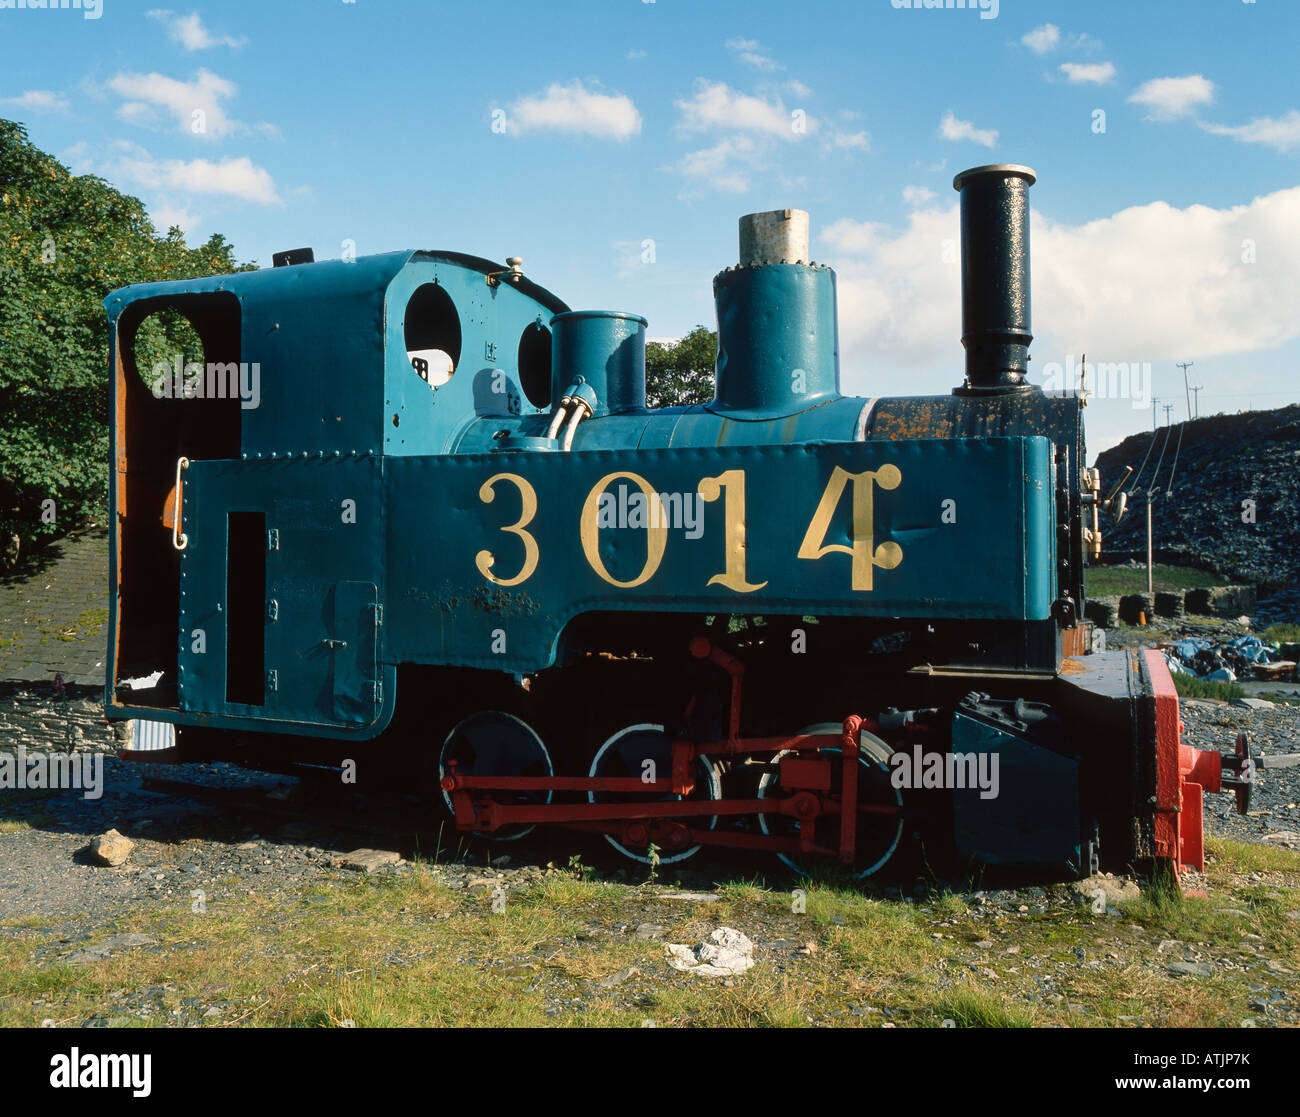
(1150, 446)
(1156, 474)
(1185, 365)
(1173, 469)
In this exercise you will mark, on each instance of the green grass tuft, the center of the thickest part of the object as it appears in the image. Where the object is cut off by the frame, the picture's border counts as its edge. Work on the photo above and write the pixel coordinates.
(1108, 581)
(1189, 686)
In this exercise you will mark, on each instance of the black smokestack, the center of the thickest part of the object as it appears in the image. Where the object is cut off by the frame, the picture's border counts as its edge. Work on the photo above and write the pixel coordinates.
(995, 327)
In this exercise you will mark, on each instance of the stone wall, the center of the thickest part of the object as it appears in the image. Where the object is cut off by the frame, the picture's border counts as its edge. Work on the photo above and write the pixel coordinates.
(1217, 601)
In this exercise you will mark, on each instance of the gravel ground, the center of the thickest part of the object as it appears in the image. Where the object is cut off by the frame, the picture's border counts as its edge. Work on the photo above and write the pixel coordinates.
(190, 849)
(1274, 814)
(187, 844)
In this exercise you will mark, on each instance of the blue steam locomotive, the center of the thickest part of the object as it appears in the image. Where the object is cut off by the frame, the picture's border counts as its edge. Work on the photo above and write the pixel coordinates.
(410, 514)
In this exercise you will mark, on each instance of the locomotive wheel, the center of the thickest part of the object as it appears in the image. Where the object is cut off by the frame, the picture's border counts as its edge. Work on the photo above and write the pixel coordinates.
(494, 743)
(624, 754)
(877, 835)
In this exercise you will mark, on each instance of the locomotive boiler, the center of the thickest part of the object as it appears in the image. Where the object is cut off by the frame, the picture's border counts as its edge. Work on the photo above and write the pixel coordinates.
(408, 515)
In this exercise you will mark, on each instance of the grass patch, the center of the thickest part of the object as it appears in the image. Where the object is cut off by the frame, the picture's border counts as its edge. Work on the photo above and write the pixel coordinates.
(1282, 633)
(406, 950)
(1252, 857)
(1109, 581)
(1189, 686)
(971, 1006)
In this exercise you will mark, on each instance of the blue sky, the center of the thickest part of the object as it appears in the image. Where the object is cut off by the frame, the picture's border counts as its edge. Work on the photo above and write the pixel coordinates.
(613, 145)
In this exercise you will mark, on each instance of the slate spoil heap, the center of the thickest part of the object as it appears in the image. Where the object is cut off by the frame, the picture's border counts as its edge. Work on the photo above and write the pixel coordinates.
(1235, 506)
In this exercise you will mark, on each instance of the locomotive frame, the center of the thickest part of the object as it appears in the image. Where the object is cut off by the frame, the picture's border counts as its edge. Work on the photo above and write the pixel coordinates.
(346, 560)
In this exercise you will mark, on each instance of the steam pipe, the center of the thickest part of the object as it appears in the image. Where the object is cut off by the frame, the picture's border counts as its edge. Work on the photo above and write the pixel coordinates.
(995, 277)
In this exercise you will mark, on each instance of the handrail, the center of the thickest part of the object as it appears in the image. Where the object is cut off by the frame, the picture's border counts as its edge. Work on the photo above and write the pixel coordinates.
(179, 539)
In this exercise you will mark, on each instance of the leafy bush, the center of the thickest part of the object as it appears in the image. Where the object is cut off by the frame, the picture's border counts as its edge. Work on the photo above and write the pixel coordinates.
(681, 374)
(66, 241)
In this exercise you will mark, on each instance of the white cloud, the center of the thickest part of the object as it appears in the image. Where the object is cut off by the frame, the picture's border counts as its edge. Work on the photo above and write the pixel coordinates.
(572, 107)
(188, 30)
(635, 54)
(852, 141)
(165, 216)
(1281, 132)
(1173, 97)
(855, 237)
(749, 52)
(726, 166)
(715, 106)
(77, 157)
(751, 130)
(38, 100)
(798, 88)
(149, 97)
(900, 299)
(918, 195)
(230, 177)
(1042, 39)
(1088, 73)
(950, 128)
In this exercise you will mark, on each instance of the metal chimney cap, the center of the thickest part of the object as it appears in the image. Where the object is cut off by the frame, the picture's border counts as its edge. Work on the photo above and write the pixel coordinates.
(1002, 170)
(775, 234)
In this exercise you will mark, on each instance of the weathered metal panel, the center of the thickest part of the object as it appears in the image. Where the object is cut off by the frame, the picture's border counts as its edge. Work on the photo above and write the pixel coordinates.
(355, 652)
(1034, 816)
(490, 555)
(418, 419)
(328, 522)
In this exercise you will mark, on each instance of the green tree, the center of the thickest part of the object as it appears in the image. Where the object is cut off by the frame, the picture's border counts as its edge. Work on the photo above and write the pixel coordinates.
(66, 241)
(681, 373)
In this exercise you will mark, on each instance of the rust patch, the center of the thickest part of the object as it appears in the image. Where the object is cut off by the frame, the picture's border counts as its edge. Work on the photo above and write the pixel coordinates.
(503, 602)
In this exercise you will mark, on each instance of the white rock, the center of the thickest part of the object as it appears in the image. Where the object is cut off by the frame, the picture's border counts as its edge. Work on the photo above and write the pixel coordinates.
(111, 848)
(367, 860)
(1115, 889)
(726, 953)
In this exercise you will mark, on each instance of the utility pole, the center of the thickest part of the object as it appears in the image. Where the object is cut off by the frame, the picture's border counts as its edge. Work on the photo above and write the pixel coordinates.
(1185, 365)
(1154, 400)
(1150, 585)
(1197, 389)
(1168, 408)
